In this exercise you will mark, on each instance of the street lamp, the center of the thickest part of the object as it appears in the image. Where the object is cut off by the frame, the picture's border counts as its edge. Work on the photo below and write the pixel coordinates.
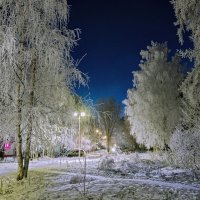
(79, 115)
(97, 131)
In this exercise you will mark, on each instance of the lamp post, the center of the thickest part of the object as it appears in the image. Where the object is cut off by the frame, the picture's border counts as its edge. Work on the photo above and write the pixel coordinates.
(79, 115)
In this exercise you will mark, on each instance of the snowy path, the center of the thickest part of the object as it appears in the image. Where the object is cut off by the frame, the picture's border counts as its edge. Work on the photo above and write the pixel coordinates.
(55, 163)
(10, 167)
(127, 181)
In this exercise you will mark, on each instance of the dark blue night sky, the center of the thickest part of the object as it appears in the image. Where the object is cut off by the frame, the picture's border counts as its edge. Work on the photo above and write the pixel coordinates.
(113, 33)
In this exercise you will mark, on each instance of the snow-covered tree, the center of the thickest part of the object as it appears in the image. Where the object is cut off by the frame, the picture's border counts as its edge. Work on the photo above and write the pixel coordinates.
(152, 105)
(185, 140)
(187, 14)
(35, 46)
(188, 18)
(125, 140)
(54, 120)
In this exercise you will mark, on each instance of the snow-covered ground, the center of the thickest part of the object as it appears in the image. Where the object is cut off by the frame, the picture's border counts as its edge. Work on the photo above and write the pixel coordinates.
(134, 176)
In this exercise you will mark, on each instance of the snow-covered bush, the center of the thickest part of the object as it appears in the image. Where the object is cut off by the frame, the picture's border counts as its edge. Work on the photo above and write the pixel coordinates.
(185, 147)
(76, 179)
(86, 144)
(106, 163)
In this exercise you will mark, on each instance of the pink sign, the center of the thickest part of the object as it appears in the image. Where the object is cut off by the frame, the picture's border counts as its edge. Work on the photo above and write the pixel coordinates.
(7, 146)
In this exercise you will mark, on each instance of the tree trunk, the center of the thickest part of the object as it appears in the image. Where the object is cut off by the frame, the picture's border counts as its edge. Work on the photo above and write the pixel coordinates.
(28, 144)
(108, 142)
(30, 119)
(20, 172)
(18, 133)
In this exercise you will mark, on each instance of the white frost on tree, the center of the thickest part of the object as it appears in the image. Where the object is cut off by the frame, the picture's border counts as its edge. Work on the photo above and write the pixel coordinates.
(188, 19)
(185, 148)
(185, 140)
(152, 105)
(187, 15)
(35, 60)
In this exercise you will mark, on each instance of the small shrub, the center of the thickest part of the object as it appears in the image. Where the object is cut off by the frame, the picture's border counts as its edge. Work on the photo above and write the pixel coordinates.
(106, 163)
(76, 179)
(185, 147)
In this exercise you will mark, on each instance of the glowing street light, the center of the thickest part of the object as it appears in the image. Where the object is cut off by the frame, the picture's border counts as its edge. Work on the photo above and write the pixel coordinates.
(83, 114)
(75, 114)
(79, 115)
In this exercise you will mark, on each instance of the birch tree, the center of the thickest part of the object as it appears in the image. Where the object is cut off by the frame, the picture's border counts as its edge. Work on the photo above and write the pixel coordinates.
(35, 46)
(152, 105)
